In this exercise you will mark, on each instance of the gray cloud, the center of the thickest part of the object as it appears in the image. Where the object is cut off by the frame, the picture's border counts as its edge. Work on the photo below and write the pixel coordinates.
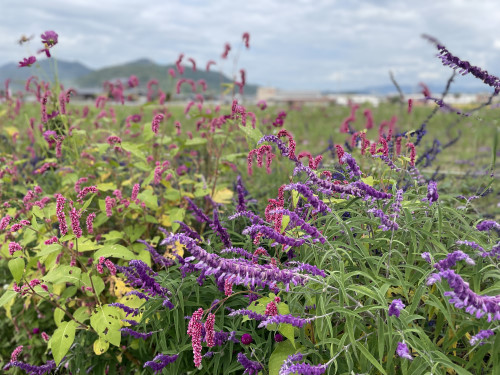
(320, 44)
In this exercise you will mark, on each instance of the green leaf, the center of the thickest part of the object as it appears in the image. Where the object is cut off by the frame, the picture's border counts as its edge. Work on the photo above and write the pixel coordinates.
(7, 297)
(114, 251)
(196, 141)
(58, 316)
(101, 346)
(134, 149)
(49, 249)
(108, 186)
(63, 274)
(370, 357)
(279, 355)
(176, 214)
(62, 339)
(82, 314)
(16, 267)
(253, 135)
(149, 198)
(106, 321)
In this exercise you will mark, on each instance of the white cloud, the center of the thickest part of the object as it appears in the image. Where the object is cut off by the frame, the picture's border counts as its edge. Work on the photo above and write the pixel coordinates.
(294, 44)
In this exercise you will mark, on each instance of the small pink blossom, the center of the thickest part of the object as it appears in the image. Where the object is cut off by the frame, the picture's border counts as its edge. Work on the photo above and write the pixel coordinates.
(13, 247)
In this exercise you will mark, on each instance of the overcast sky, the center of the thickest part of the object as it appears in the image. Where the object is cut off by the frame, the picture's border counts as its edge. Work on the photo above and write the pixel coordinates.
(294, 44)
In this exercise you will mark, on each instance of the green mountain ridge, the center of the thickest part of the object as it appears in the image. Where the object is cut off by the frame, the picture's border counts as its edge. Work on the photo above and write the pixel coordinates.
(77, 75)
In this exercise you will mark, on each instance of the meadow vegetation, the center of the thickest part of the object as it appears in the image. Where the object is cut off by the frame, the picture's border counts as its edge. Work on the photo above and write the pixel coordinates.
(247, 238)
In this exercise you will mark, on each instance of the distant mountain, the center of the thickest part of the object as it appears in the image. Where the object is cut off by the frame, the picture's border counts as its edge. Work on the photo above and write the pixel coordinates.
(146, 70)
(77, 75)
(68, 72)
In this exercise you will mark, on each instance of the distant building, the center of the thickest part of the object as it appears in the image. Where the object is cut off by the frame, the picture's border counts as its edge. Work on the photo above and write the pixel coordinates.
(292, 98)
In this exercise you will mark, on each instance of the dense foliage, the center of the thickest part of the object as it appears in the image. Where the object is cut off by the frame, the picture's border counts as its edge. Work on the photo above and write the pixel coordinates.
(151, 239)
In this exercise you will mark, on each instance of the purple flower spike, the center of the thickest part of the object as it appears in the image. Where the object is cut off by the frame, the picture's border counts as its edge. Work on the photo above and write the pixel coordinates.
(487, 225)
(31, 369)
(289, 367)
(220, 230)
(482, 335)
(464, 298)
(160, 362)
(251, 367)
(451, 259)
(287, 319)
(403, 351)
(138, 335)
(395, 308)
(432, 193)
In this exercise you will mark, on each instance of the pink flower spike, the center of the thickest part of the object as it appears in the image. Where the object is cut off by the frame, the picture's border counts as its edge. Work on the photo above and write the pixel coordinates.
(209, 329)
(211, 62)
(246, 39)
(15, 353)
(155, 125)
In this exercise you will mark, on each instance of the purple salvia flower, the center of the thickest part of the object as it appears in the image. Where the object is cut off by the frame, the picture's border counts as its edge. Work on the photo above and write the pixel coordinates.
(156, 257)
(200, 216)
(138, 294)
(251, 314)
(403, 351)
(451, 259)
(241, 206)
(371, 191)
(272, 234)
(427, 257)
(255, 219)
(160, 362)
(187, 230)
(297, 221)
(314, 201)
(471, 244)
(396, 206)
(251, 367)
(138, 335)
(139, 275)
(289, 367)
(486, 225)
(386, 223)
(305, 267)
(464, 67)
(463, 297)
(353, 166)
(395, 308)
(131, 322)
(432, 193)
(126, 309)
(218, 228)
(238, 271)
(387, 160)
(278, 142)
(287, 319)
(494, 252)
(31, 369)
(482, 335)
(238, 250)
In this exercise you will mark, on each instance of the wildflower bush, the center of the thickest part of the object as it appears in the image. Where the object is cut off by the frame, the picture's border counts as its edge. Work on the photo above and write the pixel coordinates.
(131, 244)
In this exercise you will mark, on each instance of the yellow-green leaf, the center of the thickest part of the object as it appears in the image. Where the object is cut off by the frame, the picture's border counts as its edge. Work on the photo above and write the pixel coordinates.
(62, 339)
